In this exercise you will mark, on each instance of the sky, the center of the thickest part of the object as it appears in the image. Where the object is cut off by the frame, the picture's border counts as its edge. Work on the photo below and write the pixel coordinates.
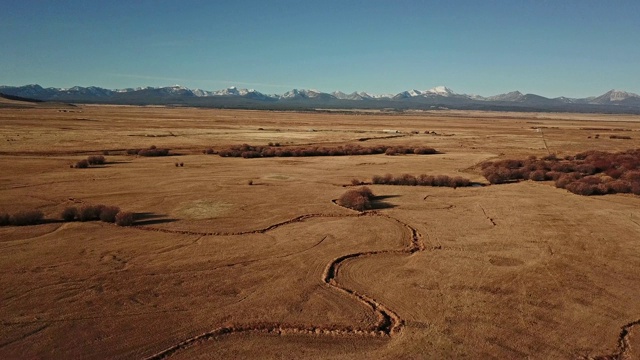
(574, 48)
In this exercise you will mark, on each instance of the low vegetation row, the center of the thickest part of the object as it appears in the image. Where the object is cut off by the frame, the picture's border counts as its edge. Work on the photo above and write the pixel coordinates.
(110, 214)
(151, 151)
(356, 199)
(248, 151)
(91, 160)
(620, 137)
(421, 180)
(22, 218)
(587, 173)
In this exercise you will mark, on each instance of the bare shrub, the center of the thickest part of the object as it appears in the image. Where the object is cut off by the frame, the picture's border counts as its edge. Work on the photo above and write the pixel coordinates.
(459, 181)
(108, 214)
(366, 192)
(498, 174)
(632, 176)
(124, 218)
(181, 164)
(440, 180)
(69, 213)
(96, 160)
(580, 188)
(153, 152)
(425, 180)
(553, 175)
(406, 179)
(28, 217)
(618, 186)
(614, 173)
(538, 175)
(355, 182)
(356, 199)
(424, 151)
(209, 151)
(89, 212)
(250, 182)
(82, 164)
(566, 179)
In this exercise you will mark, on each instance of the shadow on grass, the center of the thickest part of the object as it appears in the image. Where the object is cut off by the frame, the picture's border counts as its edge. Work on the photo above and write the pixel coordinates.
(375, 203)
(149, 218)
(383, 197)
(379, 205)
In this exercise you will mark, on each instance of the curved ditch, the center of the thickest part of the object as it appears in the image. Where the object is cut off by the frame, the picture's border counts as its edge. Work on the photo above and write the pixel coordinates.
(389, 323)
(623, 343)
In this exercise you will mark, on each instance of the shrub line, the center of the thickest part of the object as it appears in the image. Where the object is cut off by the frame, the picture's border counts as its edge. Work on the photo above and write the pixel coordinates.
(248, 151)
(587, 173)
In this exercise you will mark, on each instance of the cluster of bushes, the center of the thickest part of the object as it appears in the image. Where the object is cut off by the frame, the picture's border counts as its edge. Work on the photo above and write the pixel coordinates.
(248, 151)
(400, 150)
(151, 151)
(620, 137)
(421, 180)
(356, 199)
(587, 173)
(91, 160)
(110, 214)
(180, 164)
(208, 151)
(22, 218)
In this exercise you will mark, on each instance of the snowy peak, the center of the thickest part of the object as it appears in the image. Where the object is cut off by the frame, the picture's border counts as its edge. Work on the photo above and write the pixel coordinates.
(234, 91)
(440, 90)
(304, 94)
(175, 90)
(353, 96)
(201, 93)
(615, 96)
(436, 91)
(510, 96)
(230, 91)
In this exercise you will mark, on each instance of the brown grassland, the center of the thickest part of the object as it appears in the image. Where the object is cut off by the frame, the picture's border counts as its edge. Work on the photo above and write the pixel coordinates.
(252, 258)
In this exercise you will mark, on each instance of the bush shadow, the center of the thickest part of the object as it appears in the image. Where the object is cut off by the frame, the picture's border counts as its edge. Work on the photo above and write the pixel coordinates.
(149, 218)
(378, 203)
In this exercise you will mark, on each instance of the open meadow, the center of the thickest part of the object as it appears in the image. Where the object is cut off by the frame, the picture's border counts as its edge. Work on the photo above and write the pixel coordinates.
(233, 257)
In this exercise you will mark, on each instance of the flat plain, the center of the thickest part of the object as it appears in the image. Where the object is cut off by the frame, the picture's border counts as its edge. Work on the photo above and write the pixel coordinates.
(251, 258)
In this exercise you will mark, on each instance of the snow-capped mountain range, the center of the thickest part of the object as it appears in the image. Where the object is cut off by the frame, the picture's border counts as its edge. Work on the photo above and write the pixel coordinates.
(439, 96)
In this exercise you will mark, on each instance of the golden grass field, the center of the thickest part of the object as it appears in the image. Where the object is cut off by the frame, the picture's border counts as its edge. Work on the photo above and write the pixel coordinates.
(218, 268)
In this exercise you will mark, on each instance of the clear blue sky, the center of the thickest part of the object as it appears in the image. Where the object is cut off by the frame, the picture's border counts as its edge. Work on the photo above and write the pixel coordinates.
(551, 48)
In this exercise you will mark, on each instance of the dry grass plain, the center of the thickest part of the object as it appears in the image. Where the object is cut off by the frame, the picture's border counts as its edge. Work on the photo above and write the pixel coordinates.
(219, 268)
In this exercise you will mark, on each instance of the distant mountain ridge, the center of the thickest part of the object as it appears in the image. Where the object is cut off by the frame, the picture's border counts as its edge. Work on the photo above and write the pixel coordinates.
(437, 97)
